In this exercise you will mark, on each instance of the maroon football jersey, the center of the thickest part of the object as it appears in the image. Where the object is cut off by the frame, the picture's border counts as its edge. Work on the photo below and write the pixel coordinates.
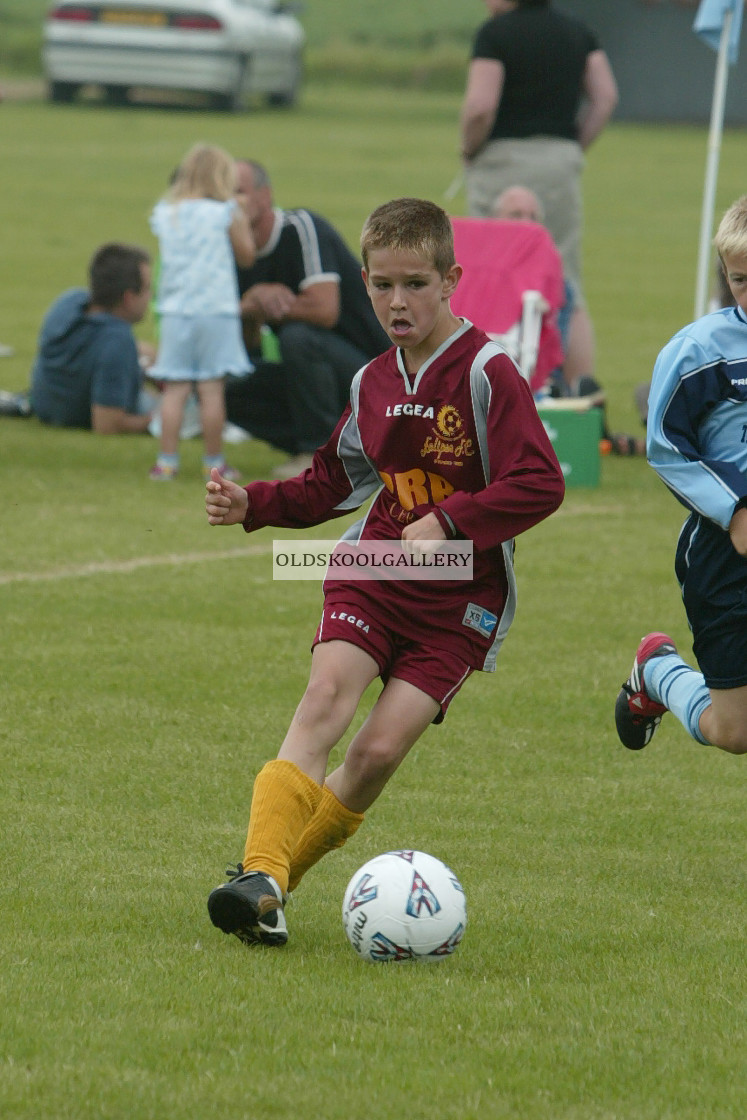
(462, 439)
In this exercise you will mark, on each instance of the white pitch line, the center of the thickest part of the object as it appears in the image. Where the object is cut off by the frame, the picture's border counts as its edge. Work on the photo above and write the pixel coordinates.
(117, 567)
(585, 510)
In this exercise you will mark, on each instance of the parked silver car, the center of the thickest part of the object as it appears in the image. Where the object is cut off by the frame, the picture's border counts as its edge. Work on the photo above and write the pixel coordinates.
(230, 49)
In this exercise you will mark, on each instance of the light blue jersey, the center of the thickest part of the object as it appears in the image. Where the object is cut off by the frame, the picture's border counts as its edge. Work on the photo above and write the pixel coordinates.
(697, 414)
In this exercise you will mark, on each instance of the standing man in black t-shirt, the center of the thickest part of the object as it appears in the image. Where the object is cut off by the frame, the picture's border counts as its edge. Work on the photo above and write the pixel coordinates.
(307, 286)
(540, 89)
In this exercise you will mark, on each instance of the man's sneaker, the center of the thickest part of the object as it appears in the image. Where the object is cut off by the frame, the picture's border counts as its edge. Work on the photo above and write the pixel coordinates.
(637, 715)
(232, 433)
(292, 467)
(251, 907)
(14, 404)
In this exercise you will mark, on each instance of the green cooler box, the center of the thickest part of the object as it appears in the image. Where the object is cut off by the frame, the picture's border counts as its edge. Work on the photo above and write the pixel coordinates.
(575, 438)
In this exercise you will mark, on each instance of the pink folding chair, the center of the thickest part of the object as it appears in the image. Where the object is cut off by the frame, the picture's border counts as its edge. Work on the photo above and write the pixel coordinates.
(513, 289)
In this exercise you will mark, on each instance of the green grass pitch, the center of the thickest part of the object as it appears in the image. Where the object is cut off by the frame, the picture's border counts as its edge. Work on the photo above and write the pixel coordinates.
(149, 666)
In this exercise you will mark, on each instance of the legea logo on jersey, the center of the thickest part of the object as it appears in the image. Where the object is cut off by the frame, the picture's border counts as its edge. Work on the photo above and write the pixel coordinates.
(408, 409)
(449, 445)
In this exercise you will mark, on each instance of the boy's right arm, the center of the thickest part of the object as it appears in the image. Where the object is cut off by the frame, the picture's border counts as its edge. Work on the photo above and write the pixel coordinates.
(339, 480)
(225, 502)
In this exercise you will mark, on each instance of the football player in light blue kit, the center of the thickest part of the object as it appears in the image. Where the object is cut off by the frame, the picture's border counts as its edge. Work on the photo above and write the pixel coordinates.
(697, 443)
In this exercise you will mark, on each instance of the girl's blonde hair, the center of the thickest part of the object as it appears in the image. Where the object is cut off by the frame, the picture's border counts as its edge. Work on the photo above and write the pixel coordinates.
(205, 172)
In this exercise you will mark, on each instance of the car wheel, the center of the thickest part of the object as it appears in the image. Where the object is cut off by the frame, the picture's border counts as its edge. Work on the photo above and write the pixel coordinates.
(234, 101)
(62, 92)
(117, 95)
(289, 96)
(224, 102)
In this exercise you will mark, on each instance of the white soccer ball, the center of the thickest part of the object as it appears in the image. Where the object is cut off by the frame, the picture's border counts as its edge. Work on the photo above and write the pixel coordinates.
(404, 906)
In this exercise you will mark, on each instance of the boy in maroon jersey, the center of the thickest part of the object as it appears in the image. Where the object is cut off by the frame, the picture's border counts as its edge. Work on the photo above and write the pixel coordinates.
(442, 429)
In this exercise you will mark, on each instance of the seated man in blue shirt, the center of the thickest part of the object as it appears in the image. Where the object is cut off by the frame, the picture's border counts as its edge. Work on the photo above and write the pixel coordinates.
(87, 372)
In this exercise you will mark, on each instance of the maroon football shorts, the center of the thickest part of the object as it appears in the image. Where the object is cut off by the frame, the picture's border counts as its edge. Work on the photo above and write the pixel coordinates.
(438, 673)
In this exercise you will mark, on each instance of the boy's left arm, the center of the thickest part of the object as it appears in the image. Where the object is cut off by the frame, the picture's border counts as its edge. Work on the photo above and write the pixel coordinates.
(526, 483)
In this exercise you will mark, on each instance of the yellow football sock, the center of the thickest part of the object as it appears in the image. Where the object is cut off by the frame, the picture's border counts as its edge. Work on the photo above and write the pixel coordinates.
(283, 802)
(329, 828)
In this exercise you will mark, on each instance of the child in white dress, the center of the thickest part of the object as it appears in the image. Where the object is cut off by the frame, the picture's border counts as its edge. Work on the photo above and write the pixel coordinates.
(202, 233)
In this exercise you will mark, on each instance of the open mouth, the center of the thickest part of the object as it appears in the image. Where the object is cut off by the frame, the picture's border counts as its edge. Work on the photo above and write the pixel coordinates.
(400, 327)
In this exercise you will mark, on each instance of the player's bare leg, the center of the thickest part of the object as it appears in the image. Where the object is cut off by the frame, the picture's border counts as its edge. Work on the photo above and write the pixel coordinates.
(661, 681)
(340, 674)
(287, 795)
(724, 724)
(397, 720)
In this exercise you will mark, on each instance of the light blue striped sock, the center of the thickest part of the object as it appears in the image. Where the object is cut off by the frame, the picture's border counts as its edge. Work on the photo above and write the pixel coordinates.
(209, 461)
(681, 689)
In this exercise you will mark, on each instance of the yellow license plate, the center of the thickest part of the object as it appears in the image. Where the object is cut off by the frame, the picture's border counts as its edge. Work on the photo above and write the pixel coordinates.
(135, 19)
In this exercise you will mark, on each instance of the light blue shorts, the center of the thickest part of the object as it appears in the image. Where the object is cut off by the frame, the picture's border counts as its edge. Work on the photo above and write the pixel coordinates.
(199, 348)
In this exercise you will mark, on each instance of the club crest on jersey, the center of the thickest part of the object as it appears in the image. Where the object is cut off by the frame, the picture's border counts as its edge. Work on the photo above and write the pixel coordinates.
(449, 422)
(421, 898)
(449, 444)
(362, 892)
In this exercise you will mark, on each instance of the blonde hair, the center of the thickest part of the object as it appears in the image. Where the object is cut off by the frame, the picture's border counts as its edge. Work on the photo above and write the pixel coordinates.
(411, 225)
(731, 235)
(205, 172)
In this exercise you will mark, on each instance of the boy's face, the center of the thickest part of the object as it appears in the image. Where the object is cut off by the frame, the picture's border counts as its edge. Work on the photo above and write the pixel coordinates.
(410, 297)
(735, 267)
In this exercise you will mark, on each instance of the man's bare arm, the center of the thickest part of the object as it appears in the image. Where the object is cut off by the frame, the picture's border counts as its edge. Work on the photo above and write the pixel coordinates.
(600, 88)
(481, 101)
(318, 304)
(115, 421)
